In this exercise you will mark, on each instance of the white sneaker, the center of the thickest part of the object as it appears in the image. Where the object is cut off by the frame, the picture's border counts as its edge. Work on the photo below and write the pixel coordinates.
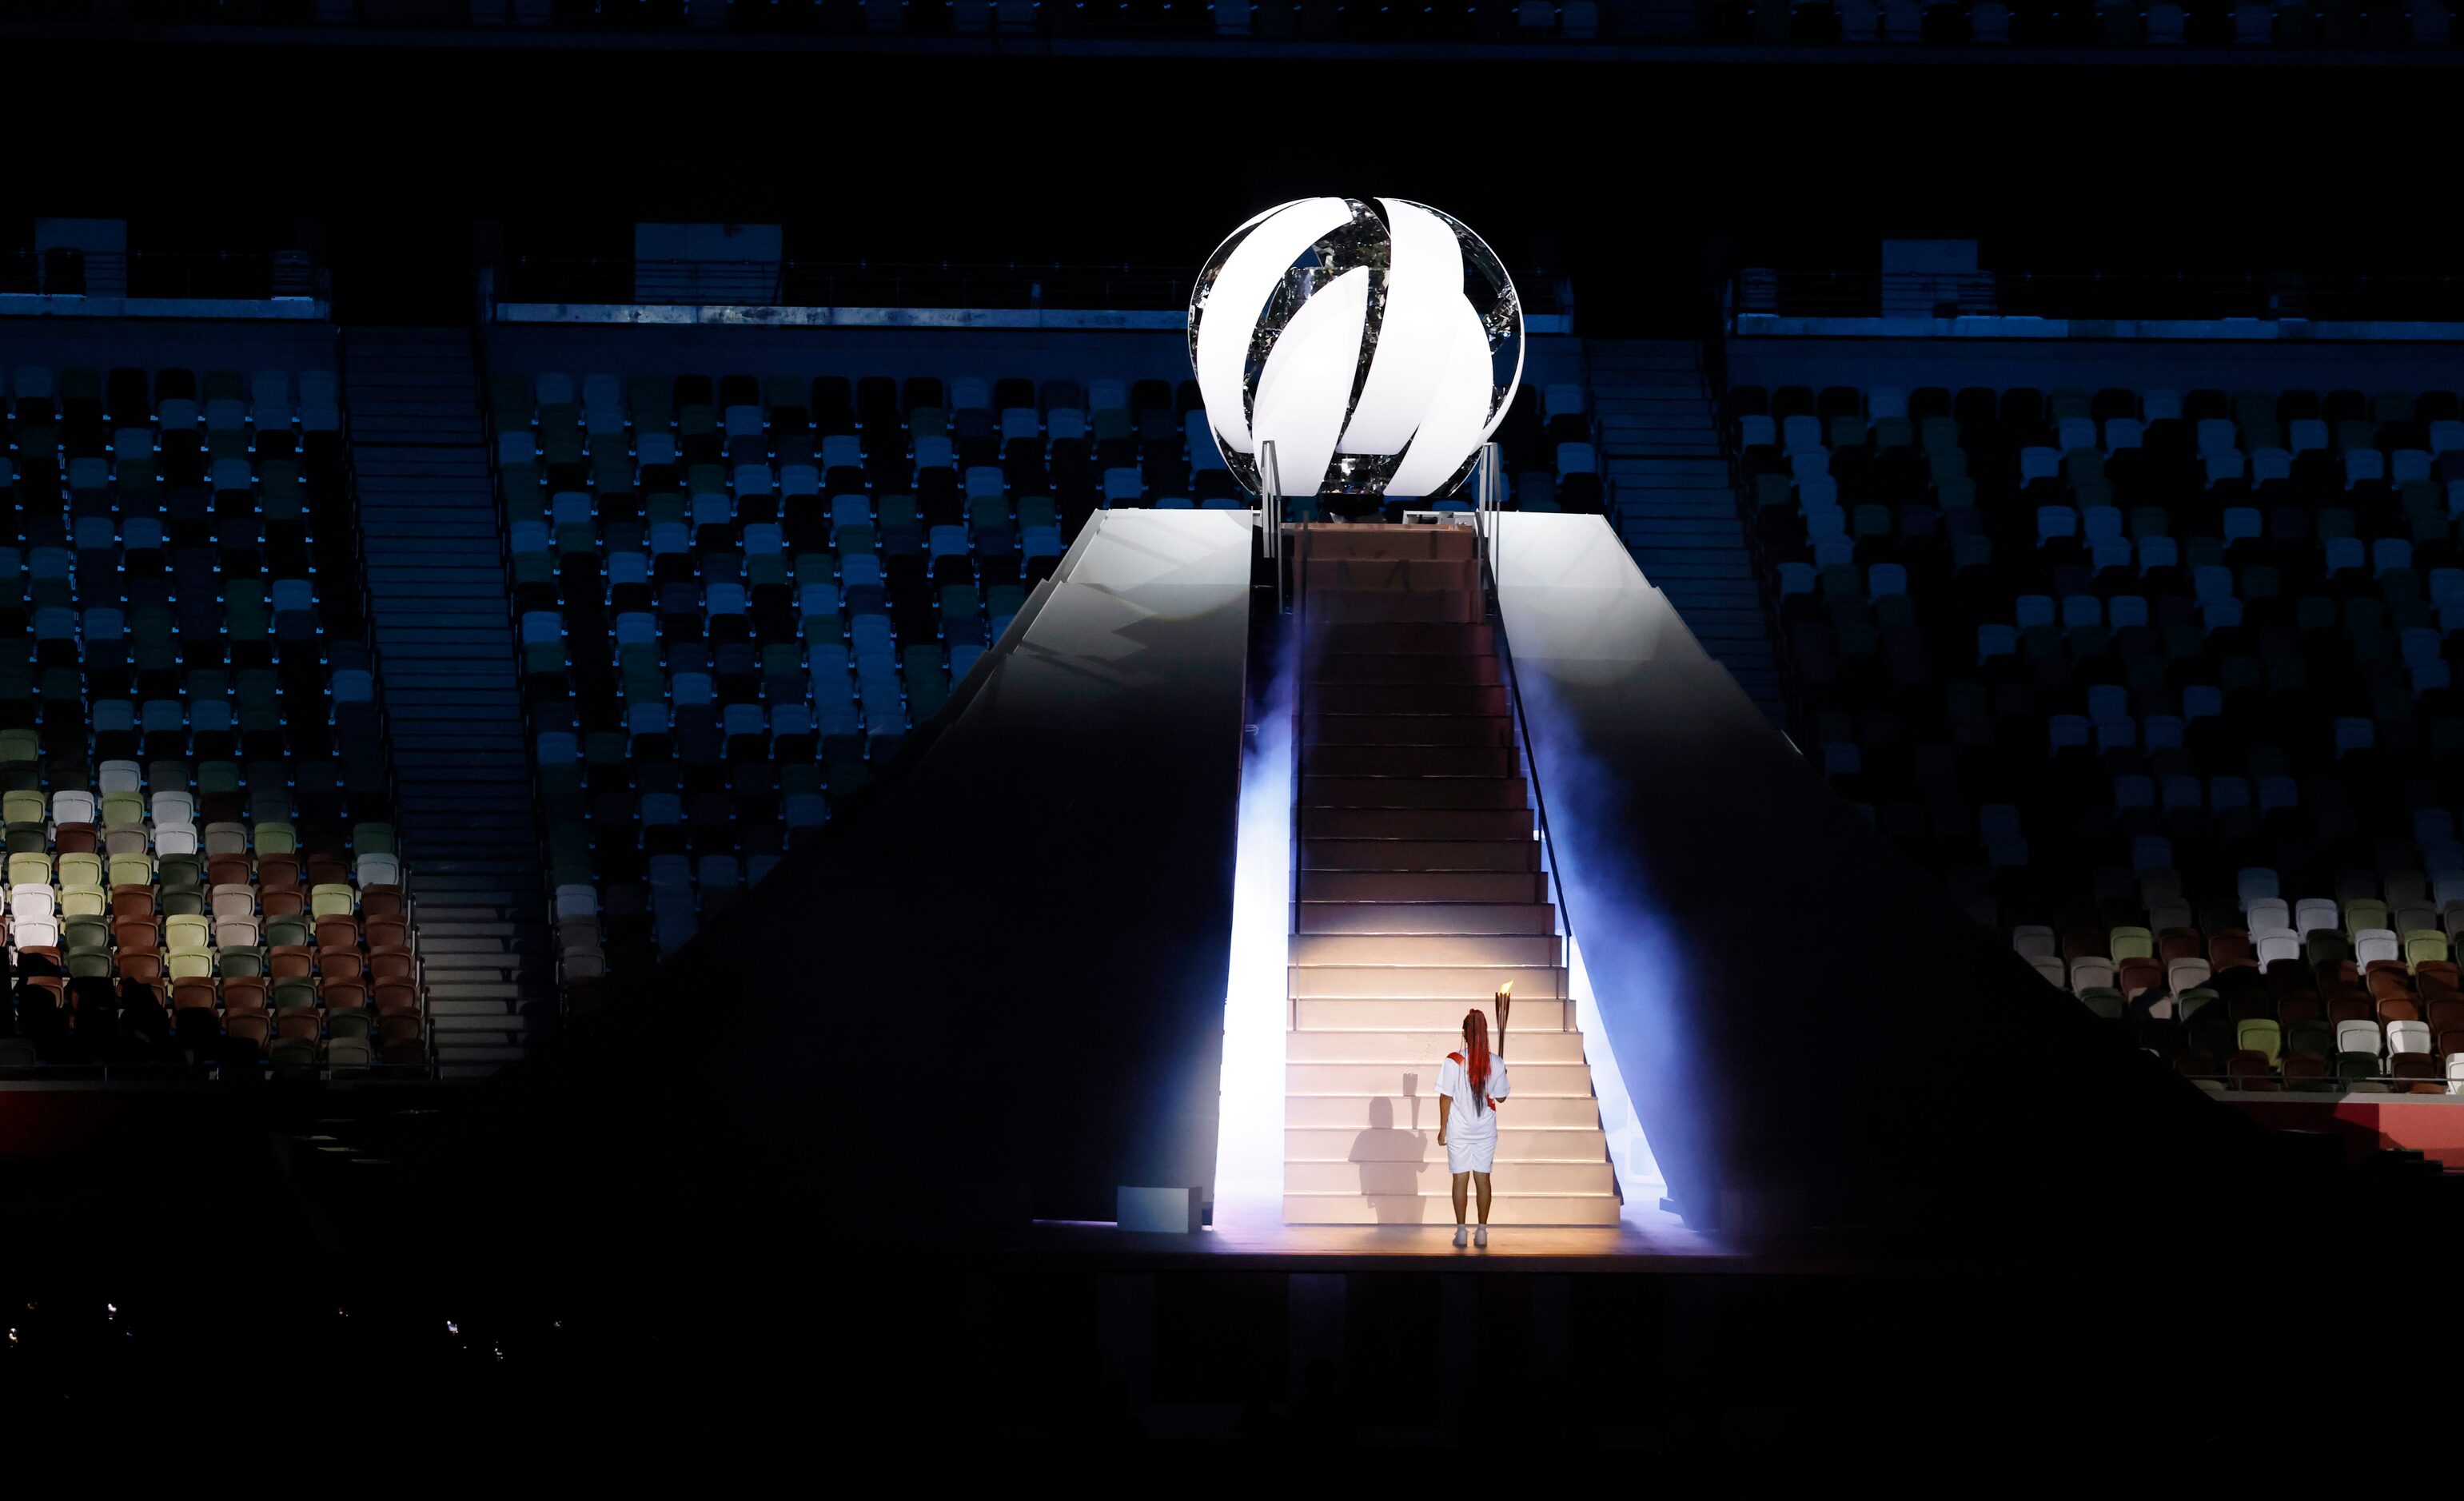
(1480, 1237)
(1458, 1238)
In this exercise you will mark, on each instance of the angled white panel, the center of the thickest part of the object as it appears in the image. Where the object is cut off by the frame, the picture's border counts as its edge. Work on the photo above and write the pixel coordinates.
(1425, 277)
(1230, 316)
(1306, 384)
(1457, 414)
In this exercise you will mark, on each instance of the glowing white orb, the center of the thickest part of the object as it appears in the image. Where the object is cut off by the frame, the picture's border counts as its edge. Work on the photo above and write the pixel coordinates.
(1375, 343)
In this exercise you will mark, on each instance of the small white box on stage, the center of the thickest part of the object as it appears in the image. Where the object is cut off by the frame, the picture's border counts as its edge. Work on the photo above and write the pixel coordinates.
(1171, 1211)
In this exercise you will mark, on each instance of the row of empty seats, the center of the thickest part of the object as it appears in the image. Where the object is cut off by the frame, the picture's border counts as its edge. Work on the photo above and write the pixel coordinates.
(2169, 668)
(194, 779)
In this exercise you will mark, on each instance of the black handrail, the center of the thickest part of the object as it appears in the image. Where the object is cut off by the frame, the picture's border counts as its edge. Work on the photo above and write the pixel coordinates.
(1484, 514)
(1270, 478)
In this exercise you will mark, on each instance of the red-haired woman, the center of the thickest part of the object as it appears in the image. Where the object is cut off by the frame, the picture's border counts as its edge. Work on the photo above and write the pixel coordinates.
(1469, 1085)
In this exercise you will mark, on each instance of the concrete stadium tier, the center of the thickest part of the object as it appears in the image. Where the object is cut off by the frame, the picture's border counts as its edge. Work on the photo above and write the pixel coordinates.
(1810, 1032)
(999, 988)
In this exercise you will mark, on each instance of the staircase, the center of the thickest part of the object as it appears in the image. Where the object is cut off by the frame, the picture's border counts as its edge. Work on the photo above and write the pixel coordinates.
(1419, 894)
(1660, 439)
(444, 635)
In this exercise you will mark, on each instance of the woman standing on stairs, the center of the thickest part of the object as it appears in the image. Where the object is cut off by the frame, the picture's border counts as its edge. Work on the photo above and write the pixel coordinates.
(1469, 1085)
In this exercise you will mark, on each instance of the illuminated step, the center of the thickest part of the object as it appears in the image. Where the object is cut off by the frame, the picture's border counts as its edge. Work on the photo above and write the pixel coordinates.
(1428, 949)
(1421, 1014)
(1375, 1178)
(1438, 1208)
(1531, 1081)
(1334, 539)
(1514, 1144)
(1320, 727)
(1415, 793)
(1467, 982)
(1421, 856)
(1404, 761)
(1405, 698)
(1423, 885)
(1460, 576)
(1386, 666)
(1427, 917)
(1423, 1046)
(1416, 639)
(1506, 824)
(1357, 606)
(1419, 1112)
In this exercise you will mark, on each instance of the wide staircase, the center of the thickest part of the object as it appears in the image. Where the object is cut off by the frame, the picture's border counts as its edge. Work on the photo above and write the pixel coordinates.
(442, 625)
(1677, 504)
(1421, 894)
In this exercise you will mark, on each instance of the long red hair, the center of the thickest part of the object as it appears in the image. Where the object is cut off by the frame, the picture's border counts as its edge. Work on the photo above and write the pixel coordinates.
(1476, 1056)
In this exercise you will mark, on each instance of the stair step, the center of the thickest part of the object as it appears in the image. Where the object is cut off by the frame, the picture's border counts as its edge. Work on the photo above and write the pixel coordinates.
(1425, 1049)
(1451, 918)
(476, 989)
(1502, 824)
(1469, 981)
(464, 942)
(1478, 886)
(1414, 791)
(1401, 1081)
(1493, 760)
(1401, 1143)
(474, 922)
(449, 1055)
(1428, 949)
(1377, 606)
(1391, 576)
(474, 1012)
(1436, 1207)
(1319, 728)
(1419, 856)
(1406, 698)
(1423, 638)
(1360, 1111)
(1381, 1178)
(1378, 543)
(499, 1026)
(1468, 668)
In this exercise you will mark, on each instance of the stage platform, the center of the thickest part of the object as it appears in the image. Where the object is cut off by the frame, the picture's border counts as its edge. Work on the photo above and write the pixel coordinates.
(1255, 1235)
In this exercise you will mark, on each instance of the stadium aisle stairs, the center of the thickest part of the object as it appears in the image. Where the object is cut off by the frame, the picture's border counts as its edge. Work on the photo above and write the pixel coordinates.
(443, 625)
(1677, 508)
(1421, 893)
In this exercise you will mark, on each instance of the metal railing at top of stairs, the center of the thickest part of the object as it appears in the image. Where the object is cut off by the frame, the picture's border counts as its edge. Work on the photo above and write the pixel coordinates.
(1488, 500)
(1270, 517)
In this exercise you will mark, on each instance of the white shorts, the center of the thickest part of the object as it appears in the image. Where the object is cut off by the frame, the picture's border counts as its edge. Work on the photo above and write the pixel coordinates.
(1470, 1154)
